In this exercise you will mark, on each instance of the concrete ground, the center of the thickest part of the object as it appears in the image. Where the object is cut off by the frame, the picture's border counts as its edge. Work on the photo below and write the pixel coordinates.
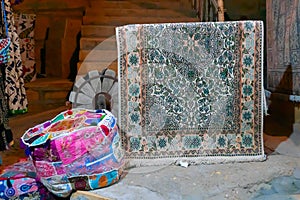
(251, 180)
(209, 182)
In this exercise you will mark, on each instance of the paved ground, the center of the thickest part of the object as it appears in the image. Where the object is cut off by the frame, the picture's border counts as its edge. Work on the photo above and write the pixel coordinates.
(253, 180)
(209, 182)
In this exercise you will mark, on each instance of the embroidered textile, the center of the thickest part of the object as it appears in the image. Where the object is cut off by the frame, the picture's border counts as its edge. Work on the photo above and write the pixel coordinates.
(25, 24)
(78, 149)
(5, 40)
(6, 136)
(191, 90)
(14, 82)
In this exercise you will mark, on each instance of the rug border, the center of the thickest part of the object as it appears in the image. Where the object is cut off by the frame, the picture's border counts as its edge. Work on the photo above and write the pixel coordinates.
(119, 73)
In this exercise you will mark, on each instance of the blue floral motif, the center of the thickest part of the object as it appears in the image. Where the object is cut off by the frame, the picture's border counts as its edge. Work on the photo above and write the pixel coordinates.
(247, 115)
(248, 60)
(133, 59)
(135, 144)
(135, 117)
(247, 140)
(221, 141)
(161, 143)
(247, 90)
(134, 90)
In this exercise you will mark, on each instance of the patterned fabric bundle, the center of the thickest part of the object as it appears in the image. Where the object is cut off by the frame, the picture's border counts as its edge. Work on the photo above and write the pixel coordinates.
(6, 136)
(25, 24)
(14, 82)
(5, 42)
(4, 50)
(78, 149)
(18, 181)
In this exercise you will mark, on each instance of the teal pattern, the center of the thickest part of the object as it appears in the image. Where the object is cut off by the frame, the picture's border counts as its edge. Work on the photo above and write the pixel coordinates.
(191, 89)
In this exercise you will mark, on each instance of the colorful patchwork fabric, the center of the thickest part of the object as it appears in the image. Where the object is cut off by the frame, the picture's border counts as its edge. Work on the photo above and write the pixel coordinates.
(18, 181)
(191, 91)
(79, 148)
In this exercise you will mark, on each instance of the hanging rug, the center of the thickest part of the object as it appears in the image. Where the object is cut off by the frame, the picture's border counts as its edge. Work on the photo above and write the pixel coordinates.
(191, 91)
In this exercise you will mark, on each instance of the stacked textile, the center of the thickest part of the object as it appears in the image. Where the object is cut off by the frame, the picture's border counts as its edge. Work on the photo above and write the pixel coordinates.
(77, 150)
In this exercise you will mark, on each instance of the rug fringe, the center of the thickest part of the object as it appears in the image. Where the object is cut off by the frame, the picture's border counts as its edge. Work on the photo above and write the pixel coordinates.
(131, 163)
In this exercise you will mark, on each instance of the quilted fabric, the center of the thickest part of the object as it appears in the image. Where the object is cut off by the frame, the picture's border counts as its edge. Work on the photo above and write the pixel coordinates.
(78, 149)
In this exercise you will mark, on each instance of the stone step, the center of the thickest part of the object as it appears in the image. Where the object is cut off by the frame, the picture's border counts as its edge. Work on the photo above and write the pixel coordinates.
(118, 21)
(98, 55)
(129, 12)
(86, 66)
(98, 43)
(48, 90)
(97, 31)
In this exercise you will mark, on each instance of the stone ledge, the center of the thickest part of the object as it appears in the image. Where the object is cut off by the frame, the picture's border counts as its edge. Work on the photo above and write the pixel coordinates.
(50, 88)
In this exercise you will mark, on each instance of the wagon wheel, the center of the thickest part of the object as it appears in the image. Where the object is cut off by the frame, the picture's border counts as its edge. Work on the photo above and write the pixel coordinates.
(96, 90)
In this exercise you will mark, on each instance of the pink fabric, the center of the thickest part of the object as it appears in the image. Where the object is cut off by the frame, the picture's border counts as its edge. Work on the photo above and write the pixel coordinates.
(45, 169)
(75, 145)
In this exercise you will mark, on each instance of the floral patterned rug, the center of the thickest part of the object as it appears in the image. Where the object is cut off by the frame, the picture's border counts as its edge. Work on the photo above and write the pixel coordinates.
(191, 91)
